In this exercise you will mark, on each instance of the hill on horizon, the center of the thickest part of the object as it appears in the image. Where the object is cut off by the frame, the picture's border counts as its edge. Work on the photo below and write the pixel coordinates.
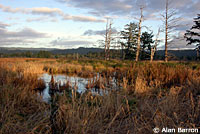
(83, 51)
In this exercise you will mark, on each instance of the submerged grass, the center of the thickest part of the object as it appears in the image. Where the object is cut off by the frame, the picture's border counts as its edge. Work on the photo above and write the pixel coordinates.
(151, 95)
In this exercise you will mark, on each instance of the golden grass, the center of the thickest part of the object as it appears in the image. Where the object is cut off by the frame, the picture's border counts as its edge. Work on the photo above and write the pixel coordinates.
(152, 95)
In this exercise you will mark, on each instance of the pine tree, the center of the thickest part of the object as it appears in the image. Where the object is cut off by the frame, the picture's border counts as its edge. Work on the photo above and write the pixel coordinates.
(193, 35)
(129, 40)
(146, 41)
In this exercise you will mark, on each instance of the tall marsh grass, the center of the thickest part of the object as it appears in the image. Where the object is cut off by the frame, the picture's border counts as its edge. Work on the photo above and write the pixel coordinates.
(150, 95)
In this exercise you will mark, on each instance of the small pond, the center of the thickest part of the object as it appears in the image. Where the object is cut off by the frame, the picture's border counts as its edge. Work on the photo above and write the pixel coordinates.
(62, 79)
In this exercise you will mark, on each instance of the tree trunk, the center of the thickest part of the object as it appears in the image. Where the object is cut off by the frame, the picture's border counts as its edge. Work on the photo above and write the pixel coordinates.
(152, 54)
(166, 31)
(153, 50)
(139, 33)
(109, 41)
(77, 56)
(106, 40)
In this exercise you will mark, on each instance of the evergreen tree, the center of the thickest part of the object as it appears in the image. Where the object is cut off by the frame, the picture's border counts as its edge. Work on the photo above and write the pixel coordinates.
(129, 40)
(146, 41)
(193, 35)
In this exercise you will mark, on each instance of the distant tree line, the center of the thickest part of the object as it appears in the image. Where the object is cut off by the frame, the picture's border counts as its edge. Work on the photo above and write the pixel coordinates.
(29, 54)
(114, 54)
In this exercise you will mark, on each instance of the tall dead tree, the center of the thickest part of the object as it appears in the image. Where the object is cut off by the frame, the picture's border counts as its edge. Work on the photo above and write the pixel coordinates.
(197, 49)
(153, 49)
(170, 20)
(108, 39)
(166, 30)
(139, 34)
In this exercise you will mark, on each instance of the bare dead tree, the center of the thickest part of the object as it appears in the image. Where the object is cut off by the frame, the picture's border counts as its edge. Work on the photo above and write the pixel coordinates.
(108, 39)
(166, 29)
(139, 34)
(153, 49)
(197, 49)
(170, 21)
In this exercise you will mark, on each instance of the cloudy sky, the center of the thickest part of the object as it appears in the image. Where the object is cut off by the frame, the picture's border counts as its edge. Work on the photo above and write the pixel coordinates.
(81, 23)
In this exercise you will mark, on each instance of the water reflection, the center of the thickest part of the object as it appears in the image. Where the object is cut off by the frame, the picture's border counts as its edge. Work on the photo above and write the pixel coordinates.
(61, 79)
(80, 83)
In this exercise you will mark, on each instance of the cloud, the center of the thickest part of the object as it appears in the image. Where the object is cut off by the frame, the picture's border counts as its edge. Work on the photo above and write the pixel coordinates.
(46, 11)
(12, 10)
(26, 33)
(82, 18)
(123, 7)
(70, 43)
(178, 42)
(92, 32)
(3, 25)
(184, 8)
(51, 12)
(98, 32)
(186, 23)
(37, 10)
(178, 45)
(102, 6)
(153, 16)
(41, 19)
(24, 36)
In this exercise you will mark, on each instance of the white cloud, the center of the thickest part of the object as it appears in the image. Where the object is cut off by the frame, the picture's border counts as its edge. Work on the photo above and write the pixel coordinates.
(51, 12)
(41, 19)
(12, 10)
(124, 7)
(24, 36)
(46, 11)
(83, 18)
(98, 32)
(178, 42)
(65, 43)
(35, 10)
(103, 7)
(3, 25)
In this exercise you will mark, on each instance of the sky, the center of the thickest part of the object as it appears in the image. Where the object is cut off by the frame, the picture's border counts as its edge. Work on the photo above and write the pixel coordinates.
(81, 23)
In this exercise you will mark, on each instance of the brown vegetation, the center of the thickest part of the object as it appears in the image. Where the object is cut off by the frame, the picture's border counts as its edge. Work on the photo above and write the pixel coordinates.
(149, 95)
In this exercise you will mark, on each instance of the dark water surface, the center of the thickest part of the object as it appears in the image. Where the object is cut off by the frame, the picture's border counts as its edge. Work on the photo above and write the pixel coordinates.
(80, 82)
(74, 80)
